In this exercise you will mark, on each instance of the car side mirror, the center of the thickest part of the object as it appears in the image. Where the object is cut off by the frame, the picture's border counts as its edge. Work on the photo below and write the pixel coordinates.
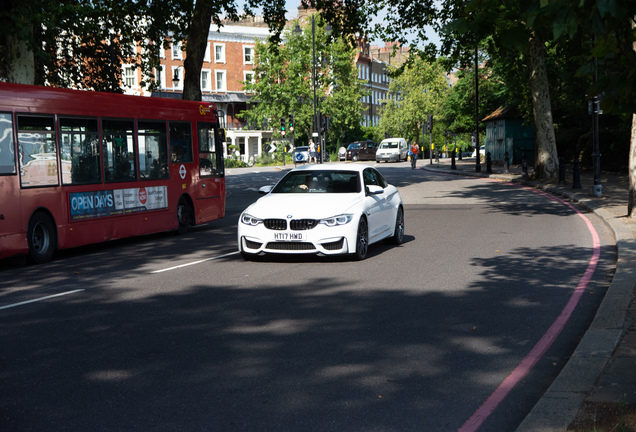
(265, 189)
(374, 190)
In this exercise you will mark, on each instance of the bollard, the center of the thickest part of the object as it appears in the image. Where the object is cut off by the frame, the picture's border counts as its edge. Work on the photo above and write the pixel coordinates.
(562, 170)
(576, 175)
(437, 156)
(506, 167)
(488, 163)
(453, 166)
(524, 164)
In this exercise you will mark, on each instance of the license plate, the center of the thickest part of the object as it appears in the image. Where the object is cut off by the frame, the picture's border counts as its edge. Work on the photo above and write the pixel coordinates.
(289, 236)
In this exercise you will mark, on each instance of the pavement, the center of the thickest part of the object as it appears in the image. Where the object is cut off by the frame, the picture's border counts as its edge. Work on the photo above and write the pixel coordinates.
(602, 368)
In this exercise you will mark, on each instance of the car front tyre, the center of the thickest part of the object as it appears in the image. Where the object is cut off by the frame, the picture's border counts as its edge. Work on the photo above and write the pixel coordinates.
(362, 240)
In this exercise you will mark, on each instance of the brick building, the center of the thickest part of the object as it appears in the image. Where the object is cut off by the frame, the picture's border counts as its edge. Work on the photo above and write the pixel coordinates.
(228, 63)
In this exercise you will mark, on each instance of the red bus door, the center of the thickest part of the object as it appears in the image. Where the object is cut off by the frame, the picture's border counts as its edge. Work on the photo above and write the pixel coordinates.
(211, 176)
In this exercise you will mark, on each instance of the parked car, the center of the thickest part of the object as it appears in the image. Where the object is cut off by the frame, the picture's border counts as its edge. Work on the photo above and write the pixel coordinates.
(301, 155)
(392, 149)
(342, 153)
(361, 150)
(324, 210)
(482, 152)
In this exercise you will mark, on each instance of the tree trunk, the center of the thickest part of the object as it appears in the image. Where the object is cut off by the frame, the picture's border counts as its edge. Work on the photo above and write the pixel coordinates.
(631, 212)
(20, 61)
(195, 49)
(546, 165)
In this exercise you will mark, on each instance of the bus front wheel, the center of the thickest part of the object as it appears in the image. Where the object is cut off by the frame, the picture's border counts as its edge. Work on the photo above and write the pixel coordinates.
(185, 215)
(41, 238)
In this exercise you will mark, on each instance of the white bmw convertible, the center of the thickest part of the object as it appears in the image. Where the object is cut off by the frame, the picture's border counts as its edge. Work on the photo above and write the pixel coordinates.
(325, 210)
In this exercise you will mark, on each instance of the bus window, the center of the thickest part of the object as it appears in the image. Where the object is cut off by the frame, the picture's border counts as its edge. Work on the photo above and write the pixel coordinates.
(79, 150)
(153, 150)
(180, 142)
(7, 154)
(207, 150)
(119, 150)
(37, 151)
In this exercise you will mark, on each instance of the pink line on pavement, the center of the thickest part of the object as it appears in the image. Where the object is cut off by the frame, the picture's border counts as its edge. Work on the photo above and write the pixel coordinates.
(476, 420)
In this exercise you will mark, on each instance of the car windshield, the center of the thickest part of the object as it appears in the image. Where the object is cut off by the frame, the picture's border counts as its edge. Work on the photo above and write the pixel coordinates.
(389, 145)
(319, 181)
(353, 146)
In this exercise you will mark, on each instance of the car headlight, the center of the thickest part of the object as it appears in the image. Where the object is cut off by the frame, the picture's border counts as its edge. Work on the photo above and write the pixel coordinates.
(337, 220)
(250, 220)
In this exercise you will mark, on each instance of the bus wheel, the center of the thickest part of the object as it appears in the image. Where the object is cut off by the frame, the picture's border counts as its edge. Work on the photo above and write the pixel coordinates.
(185, 215)
(41, 238)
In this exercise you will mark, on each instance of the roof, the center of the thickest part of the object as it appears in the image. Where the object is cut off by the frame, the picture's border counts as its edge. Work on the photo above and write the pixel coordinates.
(503, 112)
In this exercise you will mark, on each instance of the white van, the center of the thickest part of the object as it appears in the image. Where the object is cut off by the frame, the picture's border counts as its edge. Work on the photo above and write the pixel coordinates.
(392, 149)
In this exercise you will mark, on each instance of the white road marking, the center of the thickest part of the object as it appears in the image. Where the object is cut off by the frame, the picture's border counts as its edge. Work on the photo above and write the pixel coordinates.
(194, 262)
(40, 299)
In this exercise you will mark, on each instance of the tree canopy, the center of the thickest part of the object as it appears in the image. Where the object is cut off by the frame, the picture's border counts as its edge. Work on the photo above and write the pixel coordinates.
(282, 83)
(413, 94)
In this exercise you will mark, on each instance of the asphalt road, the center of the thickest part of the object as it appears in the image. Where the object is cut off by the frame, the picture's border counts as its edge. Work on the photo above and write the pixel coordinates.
(178, 333)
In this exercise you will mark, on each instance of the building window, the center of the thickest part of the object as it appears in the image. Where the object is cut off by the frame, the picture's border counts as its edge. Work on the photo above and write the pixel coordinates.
(219, 53)
(130, 76)
(206, 57)
(177, 54)
(248, 55)
(160, 76)
(220, 80)
(206, 85)
(248, 77)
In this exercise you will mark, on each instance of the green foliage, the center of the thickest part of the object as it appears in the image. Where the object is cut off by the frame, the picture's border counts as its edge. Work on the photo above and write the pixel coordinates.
(415, 93)
(235, 163)
(96, 38)
(283, 84)
(458, 109)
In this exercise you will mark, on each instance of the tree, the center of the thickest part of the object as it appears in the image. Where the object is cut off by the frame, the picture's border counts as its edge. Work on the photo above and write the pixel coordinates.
(611, 60)
(283, 77)
(458, 109)
(83, 44)
(413, 94)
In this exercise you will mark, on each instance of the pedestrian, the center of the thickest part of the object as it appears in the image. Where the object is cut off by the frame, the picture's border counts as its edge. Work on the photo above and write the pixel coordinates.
(414, 151)
(312, 151)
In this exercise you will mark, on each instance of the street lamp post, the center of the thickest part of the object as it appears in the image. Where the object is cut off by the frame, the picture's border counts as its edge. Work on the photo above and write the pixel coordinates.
(477, 159)
(314, 133)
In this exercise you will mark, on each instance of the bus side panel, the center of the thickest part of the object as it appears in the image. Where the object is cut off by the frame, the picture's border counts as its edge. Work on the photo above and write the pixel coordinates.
(115, 227)
(12, 235)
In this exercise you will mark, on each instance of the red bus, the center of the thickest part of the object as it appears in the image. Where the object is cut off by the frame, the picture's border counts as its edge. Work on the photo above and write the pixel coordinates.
(80, 167)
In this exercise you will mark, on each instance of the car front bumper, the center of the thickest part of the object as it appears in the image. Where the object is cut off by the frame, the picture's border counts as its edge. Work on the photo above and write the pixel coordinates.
(386, 157)
(321, 240)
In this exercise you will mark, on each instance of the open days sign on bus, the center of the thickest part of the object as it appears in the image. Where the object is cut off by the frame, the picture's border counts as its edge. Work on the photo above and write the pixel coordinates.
(92, 204)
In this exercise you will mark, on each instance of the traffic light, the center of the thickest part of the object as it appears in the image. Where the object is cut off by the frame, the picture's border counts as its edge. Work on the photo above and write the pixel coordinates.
(291, 122)
(429, 123)
(325, 123)
(282, 125)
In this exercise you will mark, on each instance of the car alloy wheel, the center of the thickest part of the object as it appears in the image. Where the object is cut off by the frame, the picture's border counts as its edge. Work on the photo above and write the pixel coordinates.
(362, 240)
